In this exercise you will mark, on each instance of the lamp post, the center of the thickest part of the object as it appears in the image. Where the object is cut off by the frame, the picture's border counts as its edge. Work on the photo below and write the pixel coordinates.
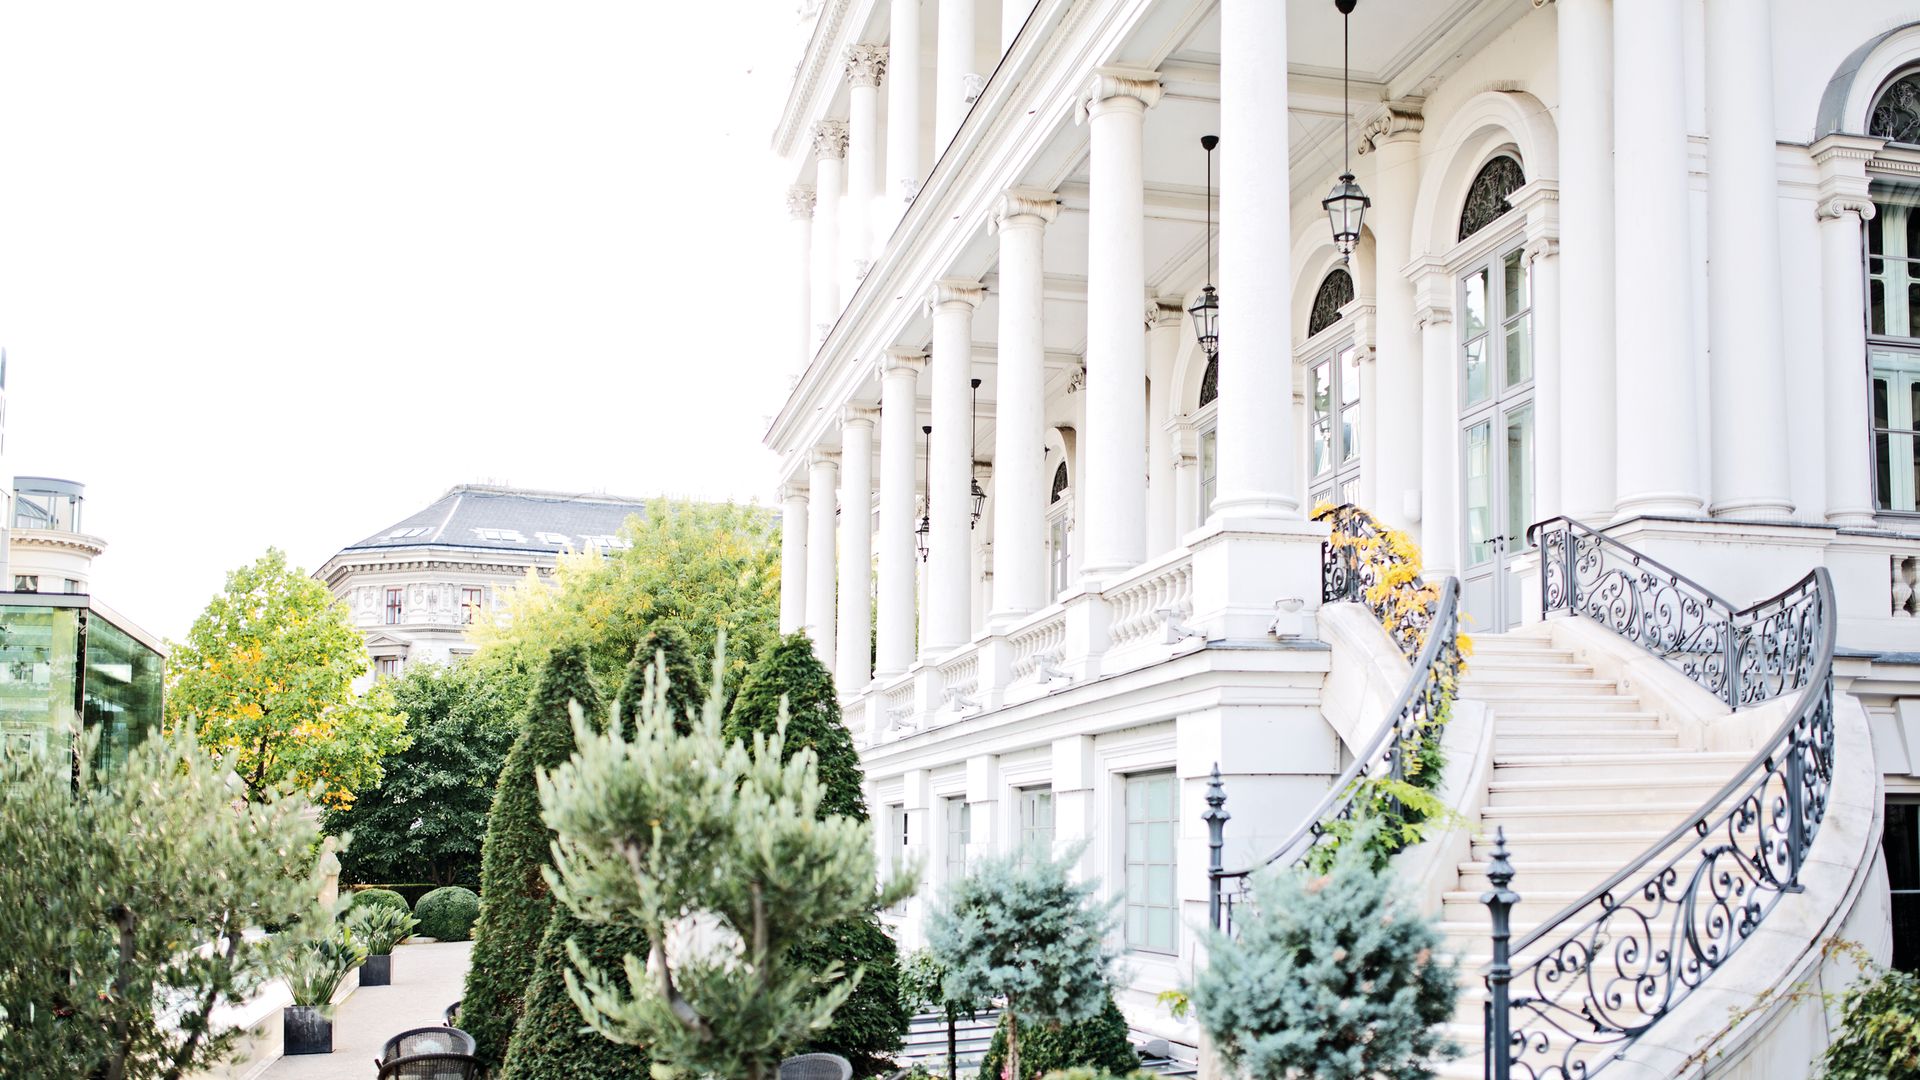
(1346, 205)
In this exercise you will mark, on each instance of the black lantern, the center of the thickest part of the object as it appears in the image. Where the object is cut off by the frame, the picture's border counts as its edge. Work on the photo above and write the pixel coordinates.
(1346, 205)
(1206, 310)
(925, 528)
(979, 497)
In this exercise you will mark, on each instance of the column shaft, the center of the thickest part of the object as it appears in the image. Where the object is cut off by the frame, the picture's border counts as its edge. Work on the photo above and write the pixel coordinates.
(1020, 416)
(1114, 509)
(1395, 464)
(1259, 472)
(823, 475)
(854, 668)
(899, 457)
(1657, 444)
(793, 558)
(1849, 489)
(800, 209)
(953, 61)
(830, 143)
(949, 565)
(1439, 438)
(1549, 375)
(1013, 15)
(866, 64)
(1586, 259)
(1745, 336)
(905, 160)
(1164, 323)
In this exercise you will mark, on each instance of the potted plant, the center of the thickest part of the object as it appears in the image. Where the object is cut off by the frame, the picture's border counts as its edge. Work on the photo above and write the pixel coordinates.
(379, 927)
(314, 969)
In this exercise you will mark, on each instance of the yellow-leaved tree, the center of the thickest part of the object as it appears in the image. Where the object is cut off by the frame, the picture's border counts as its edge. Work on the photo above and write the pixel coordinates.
(267, 672)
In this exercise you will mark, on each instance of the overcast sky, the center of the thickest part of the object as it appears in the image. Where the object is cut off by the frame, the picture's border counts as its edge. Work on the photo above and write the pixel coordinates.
(279, 274)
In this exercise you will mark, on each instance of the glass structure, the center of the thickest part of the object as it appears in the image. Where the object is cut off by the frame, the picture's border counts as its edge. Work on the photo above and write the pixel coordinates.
(65, 665)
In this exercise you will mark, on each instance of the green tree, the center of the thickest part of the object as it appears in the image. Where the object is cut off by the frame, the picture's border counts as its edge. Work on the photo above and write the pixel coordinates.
(1879, 1036)
(723, 840)
(1098, 1042)
(515, 902)
(125, 906)
(788, 681)
(1020, 929)
(427, 819)
(1333, 975)
(697, 568)
(267, 672)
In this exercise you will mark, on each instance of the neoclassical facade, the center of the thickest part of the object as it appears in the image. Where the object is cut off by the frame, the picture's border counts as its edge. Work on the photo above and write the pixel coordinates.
(1650, 266)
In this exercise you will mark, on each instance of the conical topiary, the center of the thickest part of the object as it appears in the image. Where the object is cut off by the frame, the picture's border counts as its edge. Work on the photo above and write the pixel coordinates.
(515, 903)
(867, 1029)
(552, 1041)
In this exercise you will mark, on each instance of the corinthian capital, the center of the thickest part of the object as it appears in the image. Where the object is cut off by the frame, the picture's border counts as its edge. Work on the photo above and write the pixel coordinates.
(1110, 83)
(1023, 206)
(800, 200)
(866, 64)
(830, 138)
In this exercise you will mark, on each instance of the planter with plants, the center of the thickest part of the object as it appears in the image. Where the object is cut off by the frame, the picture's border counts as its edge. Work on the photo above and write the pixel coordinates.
(379, 928)
(315, 968)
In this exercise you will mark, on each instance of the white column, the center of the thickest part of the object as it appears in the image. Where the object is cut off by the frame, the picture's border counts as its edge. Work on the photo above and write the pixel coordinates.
(1745, 335)
(866, 64)
(1439, 421)
(854, 668)
(1586, 259)
(1394, 468)
(1020, 412)
(1013, 15)
(793, 558)
(1259, 474)
(953, 62)
(1164, 322)
(1114, 506)
(906, 164)
(823, 474)
(830, 145)
(1183, 457)
(1549, 483)
(1844, 206)
(949, 563)
(1656, 447)
(800, 209)
(899, 459)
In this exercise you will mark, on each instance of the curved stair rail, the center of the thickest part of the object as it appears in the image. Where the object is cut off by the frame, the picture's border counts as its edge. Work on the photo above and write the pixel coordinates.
(1595, 976)
(1429, 689)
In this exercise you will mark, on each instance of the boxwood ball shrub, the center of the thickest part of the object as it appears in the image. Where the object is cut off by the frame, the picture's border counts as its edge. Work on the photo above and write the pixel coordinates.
(388, 897)
(448, 914)
(1097, 1044)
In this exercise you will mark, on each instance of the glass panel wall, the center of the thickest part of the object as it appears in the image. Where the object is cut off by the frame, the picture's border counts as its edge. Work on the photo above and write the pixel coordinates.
(121, 695)
(62, 667)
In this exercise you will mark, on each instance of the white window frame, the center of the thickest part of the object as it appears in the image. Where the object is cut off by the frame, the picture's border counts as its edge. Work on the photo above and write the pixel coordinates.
(1033, 837)
(1893, 389)
(1139, 864)
(959, 821)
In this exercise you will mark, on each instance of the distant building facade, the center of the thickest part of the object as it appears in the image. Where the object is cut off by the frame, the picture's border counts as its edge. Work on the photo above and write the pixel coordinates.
(416, 587)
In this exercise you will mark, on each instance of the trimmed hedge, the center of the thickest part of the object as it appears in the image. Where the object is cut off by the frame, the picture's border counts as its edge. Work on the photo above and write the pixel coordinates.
(1100, 1043)
(552, 1041)
(410, 891)
(448, 914)
(516, 902)
(364, 897)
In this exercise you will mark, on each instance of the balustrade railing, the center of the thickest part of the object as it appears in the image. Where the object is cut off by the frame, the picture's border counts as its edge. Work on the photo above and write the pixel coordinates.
(1038, 647)
(1567, 998)
(1141, 606)
(1361, 561)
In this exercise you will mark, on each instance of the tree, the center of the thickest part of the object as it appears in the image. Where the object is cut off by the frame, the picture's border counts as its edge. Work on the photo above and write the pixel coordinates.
(789, 682)
(427, 819)
(721, 842)
(267, 673)
(514, 899)
(125, 906)
(1019, 928)
(698, 568)
(1333, 975)
(1098, 1042)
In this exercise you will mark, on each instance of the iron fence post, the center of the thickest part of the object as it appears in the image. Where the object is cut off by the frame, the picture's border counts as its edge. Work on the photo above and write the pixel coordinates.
(1732, 651)
(1796, 820)
(1216, 819)
(1499, 900)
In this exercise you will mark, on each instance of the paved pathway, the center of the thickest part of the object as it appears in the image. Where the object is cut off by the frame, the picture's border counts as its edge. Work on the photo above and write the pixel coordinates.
(426, 979)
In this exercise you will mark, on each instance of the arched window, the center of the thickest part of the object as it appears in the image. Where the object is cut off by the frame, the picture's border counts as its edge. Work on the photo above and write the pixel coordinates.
(1210, 382)
(1335, 293)
(1059, 482)
(1059, 532)
(1896, 115)
(1487, 195)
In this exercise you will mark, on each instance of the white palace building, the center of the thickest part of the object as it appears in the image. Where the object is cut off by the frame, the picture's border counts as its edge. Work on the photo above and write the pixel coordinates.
(1645, 273)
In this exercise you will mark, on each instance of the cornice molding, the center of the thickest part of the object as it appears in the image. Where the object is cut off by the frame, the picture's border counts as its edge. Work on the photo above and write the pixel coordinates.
(809, 72)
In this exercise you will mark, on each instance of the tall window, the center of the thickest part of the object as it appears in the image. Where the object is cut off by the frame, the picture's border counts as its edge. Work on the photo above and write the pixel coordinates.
(1334, 385)
(1060, 531)
(959, 834)
(1036, 822)
(387, 667)
(394, 606)
(1893, 344)
(899, 822)
(1496, 390)
(1206, 419)
(1901, 843)
(1152, 826)
(470, 600)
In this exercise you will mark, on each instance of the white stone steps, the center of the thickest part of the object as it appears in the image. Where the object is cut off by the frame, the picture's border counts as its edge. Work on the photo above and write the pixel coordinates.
(1573, 699)
(1527, 670)
(1575, 737)
(1635, 815)
(1652, 765)
(1578, 875)
(1588, 787)
(1527, 848)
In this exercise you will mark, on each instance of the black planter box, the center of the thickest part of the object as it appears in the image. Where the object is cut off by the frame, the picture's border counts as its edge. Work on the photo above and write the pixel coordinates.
(304, 1031)
(377, 970)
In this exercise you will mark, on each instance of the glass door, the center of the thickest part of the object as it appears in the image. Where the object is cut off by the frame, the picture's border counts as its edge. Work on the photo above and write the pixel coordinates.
(1497, 435)
(1334, 463)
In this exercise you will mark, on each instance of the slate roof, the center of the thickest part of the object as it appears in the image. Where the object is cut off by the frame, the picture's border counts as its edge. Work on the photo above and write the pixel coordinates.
(505, 519)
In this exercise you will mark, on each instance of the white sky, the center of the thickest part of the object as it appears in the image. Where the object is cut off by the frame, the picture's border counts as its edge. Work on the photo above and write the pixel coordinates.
(281, 274)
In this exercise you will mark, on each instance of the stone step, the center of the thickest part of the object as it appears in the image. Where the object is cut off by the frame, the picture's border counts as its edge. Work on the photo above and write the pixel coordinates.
(1503, 669)
(1557, 875)
(1519, 658)
(1568, 816)
(1526, 847)
(1578, 784)
(1658, 763)
(1583, 698)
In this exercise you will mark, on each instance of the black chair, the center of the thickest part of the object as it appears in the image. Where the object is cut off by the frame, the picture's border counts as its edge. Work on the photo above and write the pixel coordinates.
(432, 1067)
(427, 1040)
(816, 1067)
(452, 1014)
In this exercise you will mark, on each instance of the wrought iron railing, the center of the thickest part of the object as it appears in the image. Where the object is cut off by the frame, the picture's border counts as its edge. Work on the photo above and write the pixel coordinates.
(1592, 978)
(1359, 555)
(1742, 657)
(1424, 699)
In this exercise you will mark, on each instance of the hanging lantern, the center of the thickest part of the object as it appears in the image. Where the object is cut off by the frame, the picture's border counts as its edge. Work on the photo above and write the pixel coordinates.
(1346, 205)
(1205, 311)
(924, 530)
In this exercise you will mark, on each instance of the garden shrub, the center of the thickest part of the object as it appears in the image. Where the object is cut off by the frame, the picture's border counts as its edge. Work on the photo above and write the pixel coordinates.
(380, 927)
(517, 902)
(1097, 1044)
(387, 897)
(448, 914)
(1879, 1034)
